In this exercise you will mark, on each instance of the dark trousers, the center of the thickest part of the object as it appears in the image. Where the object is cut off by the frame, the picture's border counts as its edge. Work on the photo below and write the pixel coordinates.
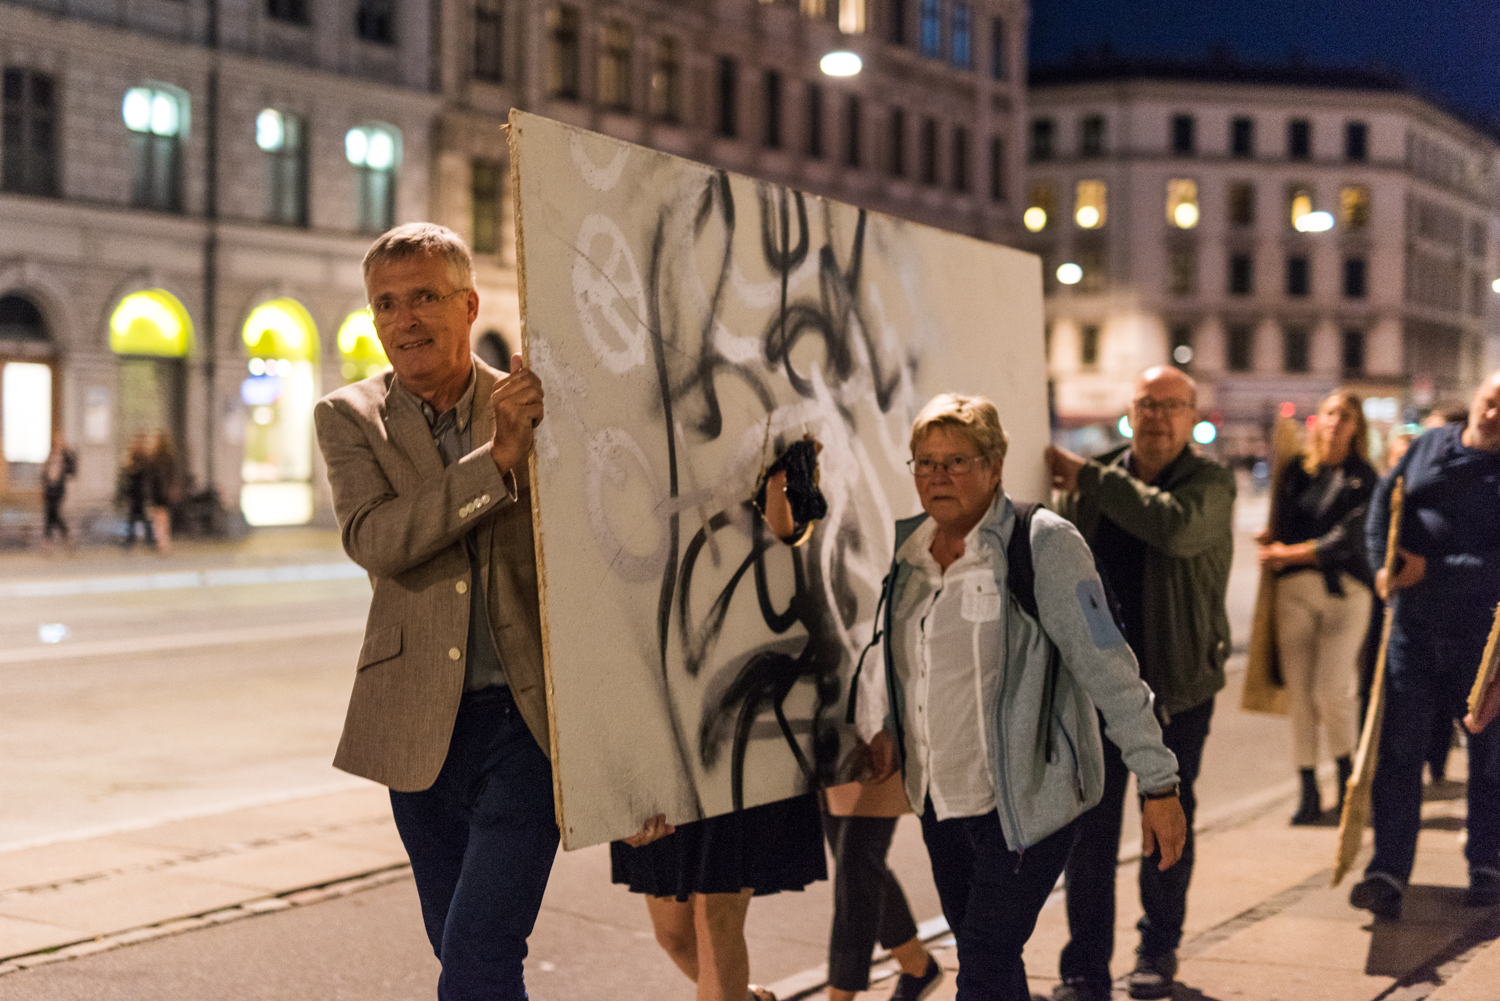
(1430, 664)
(52, 514)
(481, 842)
(991, 897)
(1096, 857)
(868, 903)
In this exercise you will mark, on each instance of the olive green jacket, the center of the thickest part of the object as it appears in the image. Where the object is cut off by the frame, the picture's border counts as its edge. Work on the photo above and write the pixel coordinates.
(1186, 521)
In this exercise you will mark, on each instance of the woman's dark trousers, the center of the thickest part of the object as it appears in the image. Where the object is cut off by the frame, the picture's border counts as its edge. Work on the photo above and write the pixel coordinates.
(868, 903)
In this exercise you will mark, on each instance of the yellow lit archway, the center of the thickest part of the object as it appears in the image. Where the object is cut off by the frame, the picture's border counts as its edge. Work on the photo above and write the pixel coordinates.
(360, 353)
(152, 322)
(281, 329)
(278, 392)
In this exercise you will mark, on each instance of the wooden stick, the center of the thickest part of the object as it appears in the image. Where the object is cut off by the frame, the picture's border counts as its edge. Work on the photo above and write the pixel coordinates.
(1484, 697)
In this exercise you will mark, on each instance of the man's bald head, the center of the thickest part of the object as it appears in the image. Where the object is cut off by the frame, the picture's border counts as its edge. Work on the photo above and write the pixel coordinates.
(1164, 379)
(1483, 431)
(1162, 414)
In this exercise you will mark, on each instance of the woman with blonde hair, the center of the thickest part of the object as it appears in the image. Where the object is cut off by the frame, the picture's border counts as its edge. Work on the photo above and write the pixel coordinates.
(1314, 544)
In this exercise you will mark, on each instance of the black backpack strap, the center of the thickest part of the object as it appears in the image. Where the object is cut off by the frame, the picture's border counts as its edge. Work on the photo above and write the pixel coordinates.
(1020, 580)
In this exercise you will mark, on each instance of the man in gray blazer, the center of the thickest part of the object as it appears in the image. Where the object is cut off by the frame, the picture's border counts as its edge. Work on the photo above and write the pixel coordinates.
(428, 466)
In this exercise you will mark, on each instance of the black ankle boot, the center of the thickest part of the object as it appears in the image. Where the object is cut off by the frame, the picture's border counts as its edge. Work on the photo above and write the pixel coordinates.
(1346, 769)
(1309, 810)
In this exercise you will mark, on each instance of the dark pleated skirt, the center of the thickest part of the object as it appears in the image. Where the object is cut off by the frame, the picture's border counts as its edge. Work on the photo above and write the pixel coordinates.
(770, 848)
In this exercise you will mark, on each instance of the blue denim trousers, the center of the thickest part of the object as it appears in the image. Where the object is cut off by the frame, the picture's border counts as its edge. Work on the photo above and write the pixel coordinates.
(481, 841)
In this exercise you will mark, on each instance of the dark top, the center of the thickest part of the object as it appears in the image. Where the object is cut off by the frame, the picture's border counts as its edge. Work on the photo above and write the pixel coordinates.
(1451, 517)
(1121, 558)
(1329, 507)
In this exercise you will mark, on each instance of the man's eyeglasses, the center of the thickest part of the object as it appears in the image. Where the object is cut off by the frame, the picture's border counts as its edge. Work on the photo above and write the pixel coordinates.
(959, 465)
(424, 305)
(1170, 408)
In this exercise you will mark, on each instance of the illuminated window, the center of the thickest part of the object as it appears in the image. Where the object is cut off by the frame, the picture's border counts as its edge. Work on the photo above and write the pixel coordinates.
(1242, 138)
(563, 64)
(898, 142)
(961, 41)
(960, 150)
(374, 21)
(157, 119)
(1042, 130)
(1295, 349)
(852, 17)
(1090, 204)
(374, 152)
(1184, 139)
(997, 169)
(771, 119)
(814, 120)
(1182, 271)
(1241, 203)
(486, 178)
(278, 391)
(279, 135)
(1303, 212)
(360, 353)
(28, 140)
(26, 411)
(1182, 203)
(1356, 277)
(151, 323)
(666, 81)
(1299, 139)
(614, 66)
(930, 30)
(1240, 347)
(1041, 198)
(726, 97)
(929, 150)
(1091, 135)
(1354, 206)
(489, 41)
(1356, 142)
(1241, 274)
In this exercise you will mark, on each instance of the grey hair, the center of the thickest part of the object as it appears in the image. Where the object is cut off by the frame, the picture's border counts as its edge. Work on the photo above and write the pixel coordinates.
(421, 239)
(973, 416)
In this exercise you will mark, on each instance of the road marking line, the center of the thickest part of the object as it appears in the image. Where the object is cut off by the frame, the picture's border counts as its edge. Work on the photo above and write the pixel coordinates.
(183, 641)
(185, 579)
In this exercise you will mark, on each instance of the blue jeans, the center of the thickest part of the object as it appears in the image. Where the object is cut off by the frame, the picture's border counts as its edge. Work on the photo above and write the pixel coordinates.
(1431, 660)
(991, 897)
(481, 841)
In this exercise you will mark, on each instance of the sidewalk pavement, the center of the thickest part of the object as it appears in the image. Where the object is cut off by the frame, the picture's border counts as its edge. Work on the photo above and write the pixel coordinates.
(1262, 921)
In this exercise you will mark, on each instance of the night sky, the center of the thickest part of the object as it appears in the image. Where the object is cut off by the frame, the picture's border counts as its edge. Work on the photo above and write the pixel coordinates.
(1449, 48)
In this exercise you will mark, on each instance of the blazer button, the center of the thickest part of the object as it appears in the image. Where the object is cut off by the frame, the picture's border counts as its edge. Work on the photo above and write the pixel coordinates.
(453, 654)
(463, 512)
(486, 498)
(462, 587)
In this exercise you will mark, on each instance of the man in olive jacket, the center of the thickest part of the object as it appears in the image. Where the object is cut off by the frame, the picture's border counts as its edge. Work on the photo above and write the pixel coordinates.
(1159, 519)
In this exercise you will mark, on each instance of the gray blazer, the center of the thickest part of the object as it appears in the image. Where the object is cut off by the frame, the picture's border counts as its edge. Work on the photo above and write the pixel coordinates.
(402, 516)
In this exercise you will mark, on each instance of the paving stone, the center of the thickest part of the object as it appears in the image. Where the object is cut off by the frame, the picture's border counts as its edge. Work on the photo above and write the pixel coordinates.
(289, 865)
(361, 805)
(122, 902)
(19, 936)
(1479, 980)
(76, 859)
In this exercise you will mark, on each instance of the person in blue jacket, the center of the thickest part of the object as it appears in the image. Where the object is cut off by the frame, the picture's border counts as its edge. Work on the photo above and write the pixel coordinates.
(1445, 588)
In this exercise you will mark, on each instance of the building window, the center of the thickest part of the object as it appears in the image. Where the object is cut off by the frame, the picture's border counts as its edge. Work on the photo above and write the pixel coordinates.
(897, 34)
(1091, 263)
(1182, 202)
(851, 16)
(1479, 293)
(1356, 142)
(1242, 138)
(1298, 275)
(485, 179)
(489, 41)
(1353, 353)
(562, 32)
(771, 92)
(1090, 204)
(1181, 336)
(280, 135)
(960, 152)
(997, 49)
(961, 42)
(1294, 349)
(666, 81)
(852, 113)
(1300, 205)
(898, 142)
(614, 66)
(1088, 346)
(929, 143)
(374, 21)
(1479, 239)
(157, 119)
(1241, 274)
(1299, 139)
(293, 11)
(1182, 271)
(1091, 135)
(1041, 197)
(1354, 206)
(726, 97)
(1184, 142)
(930, 31)
(28, 156)
(374, 153)
(1355, 272)
(1042, 130)
(1241, 203)
(1240, 347)
(997, 169)
(814, 120)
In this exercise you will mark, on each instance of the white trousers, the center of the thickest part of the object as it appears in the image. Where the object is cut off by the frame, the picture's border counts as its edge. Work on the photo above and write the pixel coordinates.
(1318, 637)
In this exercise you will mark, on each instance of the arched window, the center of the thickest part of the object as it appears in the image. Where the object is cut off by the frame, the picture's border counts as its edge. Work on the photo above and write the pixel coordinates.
(279, 392)
(157, 117)
(151, 323)
(26, 397)
(374, 151)
(360, 353)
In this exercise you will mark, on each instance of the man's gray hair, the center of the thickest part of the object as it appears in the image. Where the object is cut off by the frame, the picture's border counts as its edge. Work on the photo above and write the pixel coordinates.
(421, 239)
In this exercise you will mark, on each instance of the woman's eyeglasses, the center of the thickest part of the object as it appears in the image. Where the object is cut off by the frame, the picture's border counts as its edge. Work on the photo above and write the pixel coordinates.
(959, 465)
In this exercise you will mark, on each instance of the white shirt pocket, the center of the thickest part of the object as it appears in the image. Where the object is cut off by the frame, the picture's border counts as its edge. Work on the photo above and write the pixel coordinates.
(981, 599)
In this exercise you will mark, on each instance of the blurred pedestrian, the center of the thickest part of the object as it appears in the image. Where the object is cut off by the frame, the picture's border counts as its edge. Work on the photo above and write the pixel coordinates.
(133, 491)
(61, 466)
(1316, 547)
(165, 490)
(1445, 589)
(1159, 519)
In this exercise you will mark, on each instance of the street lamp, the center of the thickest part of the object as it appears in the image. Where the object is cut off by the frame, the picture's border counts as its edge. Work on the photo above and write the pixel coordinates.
(841, 64)
(1070, 273)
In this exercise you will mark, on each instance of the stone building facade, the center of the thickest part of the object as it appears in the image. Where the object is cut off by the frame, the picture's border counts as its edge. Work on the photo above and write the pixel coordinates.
(1277, 232)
